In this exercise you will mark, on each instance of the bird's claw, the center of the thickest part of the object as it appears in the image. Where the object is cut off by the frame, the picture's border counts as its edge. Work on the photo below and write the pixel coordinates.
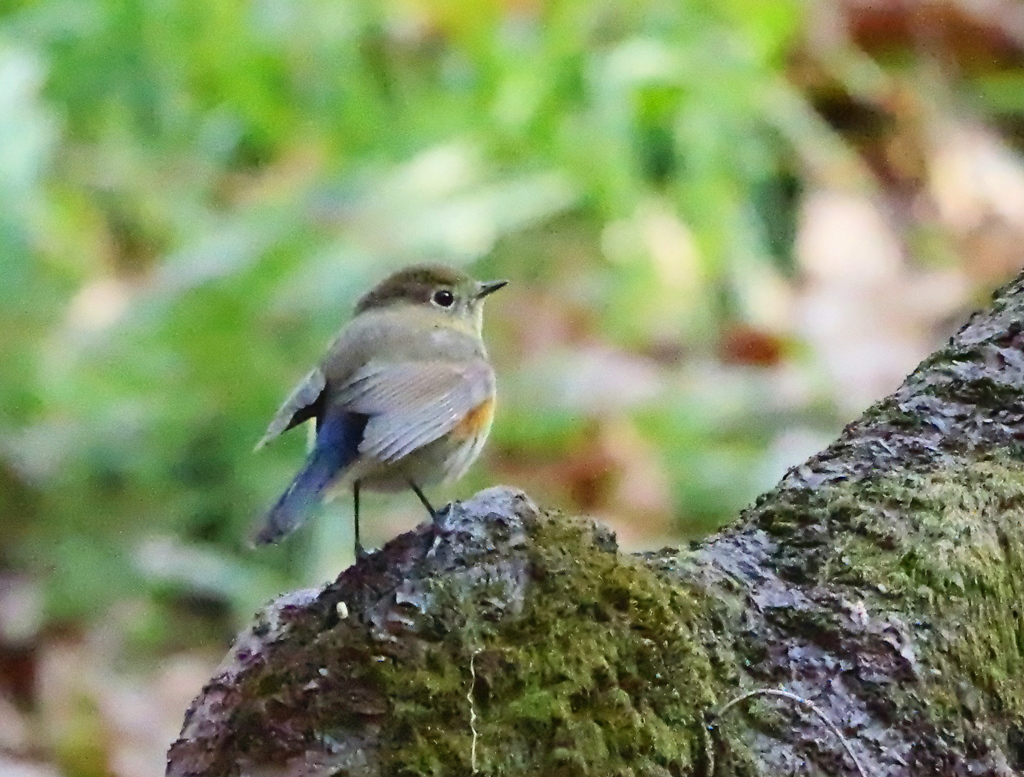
(438, 515)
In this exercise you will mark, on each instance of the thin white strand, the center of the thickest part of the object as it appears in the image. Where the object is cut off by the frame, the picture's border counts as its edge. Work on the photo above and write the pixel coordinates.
(799, 700)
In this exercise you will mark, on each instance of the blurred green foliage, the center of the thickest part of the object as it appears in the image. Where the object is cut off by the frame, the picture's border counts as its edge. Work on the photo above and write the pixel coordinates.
(192, 194)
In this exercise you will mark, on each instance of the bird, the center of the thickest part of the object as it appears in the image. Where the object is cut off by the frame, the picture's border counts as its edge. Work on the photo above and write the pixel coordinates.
(403, 398)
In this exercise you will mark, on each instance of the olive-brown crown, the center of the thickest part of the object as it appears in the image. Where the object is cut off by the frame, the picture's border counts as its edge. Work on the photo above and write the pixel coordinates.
(417, 284)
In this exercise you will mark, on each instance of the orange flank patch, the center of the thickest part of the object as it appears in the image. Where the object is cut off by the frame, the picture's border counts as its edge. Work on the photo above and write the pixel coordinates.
(476, 420)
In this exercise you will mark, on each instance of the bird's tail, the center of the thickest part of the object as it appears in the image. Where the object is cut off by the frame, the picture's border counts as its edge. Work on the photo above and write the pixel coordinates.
(336, 447)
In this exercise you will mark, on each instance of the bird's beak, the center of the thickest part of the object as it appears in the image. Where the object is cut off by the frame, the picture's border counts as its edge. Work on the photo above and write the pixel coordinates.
(488, 287)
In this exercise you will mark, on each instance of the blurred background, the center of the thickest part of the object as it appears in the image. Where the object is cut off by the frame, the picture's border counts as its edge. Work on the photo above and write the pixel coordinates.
(730, 225)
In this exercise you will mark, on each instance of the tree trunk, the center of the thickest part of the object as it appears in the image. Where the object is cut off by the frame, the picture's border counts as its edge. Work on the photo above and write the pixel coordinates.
(881, 583)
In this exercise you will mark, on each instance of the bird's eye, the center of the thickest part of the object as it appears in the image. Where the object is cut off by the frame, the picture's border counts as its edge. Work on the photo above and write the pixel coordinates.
(444, 298)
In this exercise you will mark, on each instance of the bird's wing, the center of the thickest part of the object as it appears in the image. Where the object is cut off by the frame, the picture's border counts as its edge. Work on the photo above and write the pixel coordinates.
(410, 404)
(301, 405)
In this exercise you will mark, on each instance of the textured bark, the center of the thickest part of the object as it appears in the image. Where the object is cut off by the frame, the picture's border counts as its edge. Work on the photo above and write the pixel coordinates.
(882, 580)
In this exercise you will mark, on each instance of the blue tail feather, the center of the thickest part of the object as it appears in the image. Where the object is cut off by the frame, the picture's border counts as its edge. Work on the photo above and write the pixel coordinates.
(336, 447)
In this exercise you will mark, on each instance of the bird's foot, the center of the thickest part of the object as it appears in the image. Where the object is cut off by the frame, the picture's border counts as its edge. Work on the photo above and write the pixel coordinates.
(439, 515)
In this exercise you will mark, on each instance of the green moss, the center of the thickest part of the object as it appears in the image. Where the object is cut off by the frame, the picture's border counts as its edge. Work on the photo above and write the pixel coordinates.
(565, 687)
(888, 411)
(981, 390)
(608, 666)
(946, 548)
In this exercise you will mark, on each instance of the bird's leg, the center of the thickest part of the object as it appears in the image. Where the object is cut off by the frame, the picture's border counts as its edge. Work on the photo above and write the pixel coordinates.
(419, 492)
(360, 553)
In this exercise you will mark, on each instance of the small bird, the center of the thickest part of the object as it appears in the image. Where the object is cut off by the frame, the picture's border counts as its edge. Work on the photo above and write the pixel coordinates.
(404, 397)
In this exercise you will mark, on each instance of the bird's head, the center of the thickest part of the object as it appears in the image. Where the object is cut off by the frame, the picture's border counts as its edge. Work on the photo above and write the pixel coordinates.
(436, 287)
